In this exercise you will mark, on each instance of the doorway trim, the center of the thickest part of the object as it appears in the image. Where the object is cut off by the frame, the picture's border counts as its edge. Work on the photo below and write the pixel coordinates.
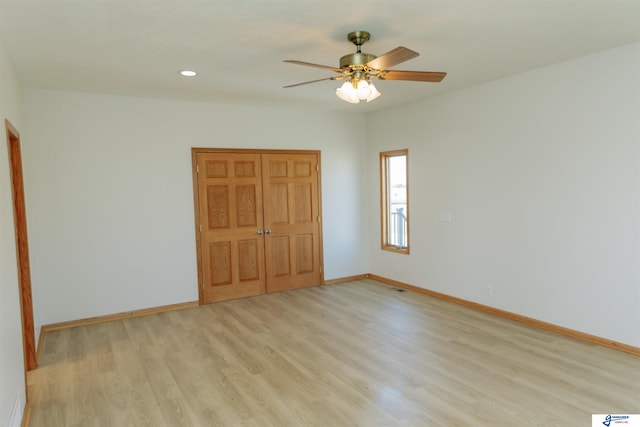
(201, 150)
(22, 246)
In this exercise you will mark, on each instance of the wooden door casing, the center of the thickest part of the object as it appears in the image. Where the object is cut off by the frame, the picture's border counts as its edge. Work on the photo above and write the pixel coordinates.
(239, 193)
(22, 248)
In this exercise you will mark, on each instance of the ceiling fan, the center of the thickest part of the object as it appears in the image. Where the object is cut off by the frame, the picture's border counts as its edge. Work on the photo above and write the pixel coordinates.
(357, 69)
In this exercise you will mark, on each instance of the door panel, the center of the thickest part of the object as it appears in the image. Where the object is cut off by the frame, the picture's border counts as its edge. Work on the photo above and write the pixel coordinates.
(291, 212)
(304, 247)
(282, 249)
(278, 194)
(303, 204)
(230, 194)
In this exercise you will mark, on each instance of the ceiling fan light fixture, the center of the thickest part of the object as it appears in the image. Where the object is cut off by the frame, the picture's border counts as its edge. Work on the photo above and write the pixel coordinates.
(357, 69)
(364, 90)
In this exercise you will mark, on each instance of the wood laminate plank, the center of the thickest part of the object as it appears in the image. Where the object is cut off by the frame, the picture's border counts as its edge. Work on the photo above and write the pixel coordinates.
(354, 354)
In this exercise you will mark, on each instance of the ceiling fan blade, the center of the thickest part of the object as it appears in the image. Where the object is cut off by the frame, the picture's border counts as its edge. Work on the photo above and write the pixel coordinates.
(391, 58)
(309, 64)
(414, 76)
(314, 81)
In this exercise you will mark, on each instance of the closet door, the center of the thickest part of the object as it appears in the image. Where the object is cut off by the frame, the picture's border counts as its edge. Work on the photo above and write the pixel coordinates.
(291, 220)
(230, 215)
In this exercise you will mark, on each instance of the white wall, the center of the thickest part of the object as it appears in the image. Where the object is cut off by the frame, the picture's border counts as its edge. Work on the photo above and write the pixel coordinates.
(111, 194)
(12, 387)
(541, 174)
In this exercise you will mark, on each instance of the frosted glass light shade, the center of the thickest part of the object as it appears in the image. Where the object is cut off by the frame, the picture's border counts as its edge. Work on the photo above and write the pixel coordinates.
(346, 92)
(374, 93)
(364, 91)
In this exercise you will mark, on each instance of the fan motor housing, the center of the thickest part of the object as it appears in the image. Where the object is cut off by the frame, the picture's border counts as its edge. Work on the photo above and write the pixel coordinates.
(355, 59)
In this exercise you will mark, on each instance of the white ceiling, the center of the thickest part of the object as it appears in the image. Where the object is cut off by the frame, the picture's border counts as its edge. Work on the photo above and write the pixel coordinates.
(133, 47)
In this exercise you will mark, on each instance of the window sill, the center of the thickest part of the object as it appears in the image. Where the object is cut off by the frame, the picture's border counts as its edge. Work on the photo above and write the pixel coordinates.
(396, 249)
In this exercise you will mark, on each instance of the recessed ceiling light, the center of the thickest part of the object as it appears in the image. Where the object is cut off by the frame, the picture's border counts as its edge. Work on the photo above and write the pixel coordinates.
(188, 73)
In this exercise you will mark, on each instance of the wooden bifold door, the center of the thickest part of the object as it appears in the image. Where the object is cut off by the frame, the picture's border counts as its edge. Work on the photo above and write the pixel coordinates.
(257, 222)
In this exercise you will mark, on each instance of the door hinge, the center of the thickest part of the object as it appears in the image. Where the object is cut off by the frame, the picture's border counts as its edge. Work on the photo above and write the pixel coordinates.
(201, 228)
(317, 168)
(197, 169)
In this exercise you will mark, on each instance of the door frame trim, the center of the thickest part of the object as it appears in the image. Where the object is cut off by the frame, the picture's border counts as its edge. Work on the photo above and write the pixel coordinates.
(204, 150)
(22, 247)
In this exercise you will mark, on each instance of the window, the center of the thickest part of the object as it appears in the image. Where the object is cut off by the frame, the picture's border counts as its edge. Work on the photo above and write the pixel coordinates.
(394, 198)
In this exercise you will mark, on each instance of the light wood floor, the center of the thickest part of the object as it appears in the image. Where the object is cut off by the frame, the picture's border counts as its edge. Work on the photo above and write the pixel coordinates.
(355, 354)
